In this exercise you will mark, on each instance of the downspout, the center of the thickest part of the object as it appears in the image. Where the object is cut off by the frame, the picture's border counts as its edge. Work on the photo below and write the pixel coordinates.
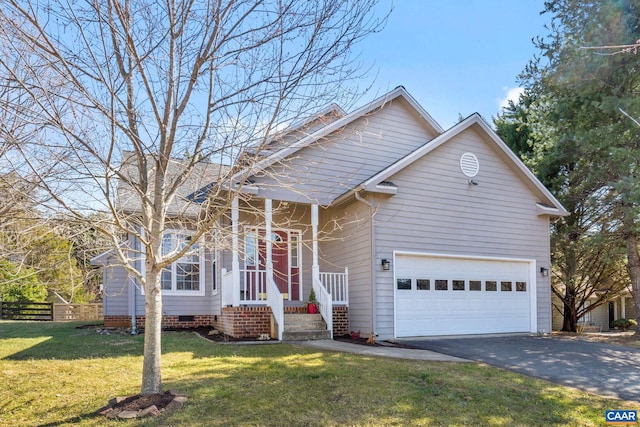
(133, 287)
(374, 283)
(134, 327)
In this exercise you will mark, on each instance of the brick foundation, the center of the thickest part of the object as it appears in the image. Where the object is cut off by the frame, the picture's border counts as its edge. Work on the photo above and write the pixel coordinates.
(340, 320)
(173, 322)
(244, 322)
(117, 321)
(238, 322)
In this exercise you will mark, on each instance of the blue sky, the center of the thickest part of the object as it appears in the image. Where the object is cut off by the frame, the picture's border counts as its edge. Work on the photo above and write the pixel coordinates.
(454, 57)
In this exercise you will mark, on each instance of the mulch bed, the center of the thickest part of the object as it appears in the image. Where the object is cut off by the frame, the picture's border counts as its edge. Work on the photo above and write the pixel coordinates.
(138, 402)
(363, 341)
(141, 406)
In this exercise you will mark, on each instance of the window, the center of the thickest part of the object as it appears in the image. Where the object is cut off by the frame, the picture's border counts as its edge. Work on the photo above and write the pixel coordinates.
(521, 286)
(491, 286)
(294, 248)
(506, 286)
(475, 285)
(423, 284)
(404, 284)
(441, 285)
(458, 285)
(186, 273)
(250, 248)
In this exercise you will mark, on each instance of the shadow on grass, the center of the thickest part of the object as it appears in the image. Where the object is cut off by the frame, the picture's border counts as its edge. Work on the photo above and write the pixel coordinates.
(77, 420)
(323, 388)
(63, 341)
(292, 385)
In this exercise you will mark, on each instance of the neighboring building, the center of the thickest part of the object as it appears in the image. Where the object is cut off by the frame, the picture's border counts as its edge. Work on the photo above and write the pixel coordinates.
(619, 307)
(402, 229)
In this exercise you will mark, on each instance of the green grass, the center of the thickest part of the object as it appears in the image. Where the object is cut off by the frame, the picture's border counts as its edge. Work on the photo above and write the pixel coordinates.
(52, 374)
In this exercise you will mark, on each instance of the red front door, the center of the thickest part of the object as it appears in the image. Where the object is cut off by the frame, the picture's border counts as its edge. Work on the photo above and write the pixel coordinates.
(285, 275)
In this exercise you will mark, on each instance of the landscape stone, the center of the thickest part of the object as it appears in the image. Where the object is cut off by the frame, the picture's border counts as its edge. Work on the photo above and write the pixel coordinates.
(174, 405)
(177, 393)
(128, 414)
(112, 414)
(105, 409)
(151, 410)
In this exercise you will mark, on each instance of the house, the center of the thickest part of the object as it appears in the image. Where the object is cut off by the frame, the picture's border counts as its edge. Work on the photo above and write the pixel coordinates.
(620, 306)
(401, 228)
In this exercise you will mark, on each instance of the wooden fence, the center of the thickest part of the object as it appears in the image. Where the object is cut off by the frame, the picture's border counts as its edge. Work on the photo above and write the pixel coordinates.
(68, 312)
(47, 311)
(26, 310)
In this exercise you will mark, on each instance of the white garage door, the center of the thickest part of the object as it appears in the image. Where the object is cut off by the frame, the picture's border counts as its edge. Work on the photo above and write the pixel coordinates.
(450, 296)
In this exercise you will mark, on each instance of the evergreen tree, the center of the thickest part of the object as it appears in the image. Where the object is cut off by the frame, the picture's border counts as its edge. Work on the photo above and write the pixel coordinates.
(587, 148)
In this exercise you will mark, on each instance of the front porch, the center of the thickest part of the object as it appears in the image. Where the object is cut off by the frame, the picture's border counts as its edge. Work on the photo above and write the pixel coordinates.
(247, 312)
(267, 281)
(254, 321)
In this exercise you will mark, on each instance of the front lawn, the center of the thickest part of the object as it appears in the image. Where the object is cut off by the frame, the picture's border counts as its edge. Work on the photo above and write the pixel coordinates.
(52, 374)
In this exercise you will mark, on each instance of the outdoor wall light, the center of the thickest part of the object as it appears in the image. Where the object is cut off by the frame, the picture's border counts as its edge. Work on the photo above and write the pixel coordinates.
(544, 271)
(386, 265)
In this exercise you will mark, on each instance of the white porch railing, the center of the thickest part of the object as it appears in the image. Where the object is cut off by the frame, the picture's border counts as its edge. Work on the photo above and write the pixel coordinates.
(337, 284)
(253, 286)
(326, 305)
(276, 302)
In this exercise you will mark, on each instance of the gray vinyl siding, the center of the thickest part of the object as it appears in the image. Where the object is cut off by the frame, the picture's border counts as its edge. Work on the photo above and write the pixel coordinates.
(349, 245)
(116, 291)
(338, 162)
(436, 210)
(177, 305)
(117, 294)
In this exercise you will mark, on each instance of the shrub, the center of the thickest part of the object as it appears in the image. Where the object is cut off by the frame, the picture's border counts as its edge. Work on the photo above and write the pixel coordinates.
(623, 324)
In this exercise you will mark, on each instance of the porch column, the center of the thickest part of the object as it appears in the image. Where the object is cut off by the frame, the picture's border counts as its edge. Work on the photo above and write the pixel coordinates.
(268, 216)
(623, 309)
(315, 269)
(235, 261)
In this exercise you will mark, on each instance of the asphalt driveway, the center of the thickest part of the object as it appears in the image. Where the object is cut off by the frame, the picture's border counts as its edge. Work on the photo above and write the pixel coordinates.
(605, 369)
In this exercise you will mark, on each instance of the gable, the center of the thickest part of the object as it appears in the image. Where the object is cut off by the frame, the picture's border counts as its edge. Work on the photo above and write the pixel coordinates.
(337, 162)
(498, 185)
(436, 210)
(471, 131)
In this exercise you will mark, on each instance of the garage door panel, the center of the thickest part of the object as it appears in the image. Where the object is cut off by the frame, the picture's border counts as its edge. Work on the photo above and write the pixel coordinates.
(449, 312)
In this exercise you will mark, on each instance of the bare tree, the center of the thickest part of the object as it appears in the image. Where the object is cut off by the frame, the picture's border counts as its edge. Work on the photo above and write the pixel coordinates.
(154, 97)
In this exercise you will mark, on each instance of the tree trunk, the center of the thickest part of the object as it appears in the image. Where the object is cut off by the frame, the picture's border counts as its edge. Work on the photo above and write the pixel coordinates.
(151, 375)
(570, 313)
(633, 264)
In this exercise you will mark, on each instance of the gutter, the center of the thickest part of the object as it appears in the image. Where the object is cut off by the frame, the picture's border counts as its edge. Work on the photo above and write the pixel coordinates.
(372, 272)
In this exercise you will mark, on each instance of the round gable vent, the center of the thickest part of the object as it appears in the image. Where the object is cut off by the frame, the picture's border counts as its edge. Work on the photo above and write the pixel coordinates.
(469, 165)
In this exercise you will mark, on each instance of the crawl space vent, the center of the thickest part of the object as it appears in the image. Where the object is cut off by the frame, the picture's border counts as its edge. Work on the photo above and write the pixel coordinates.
(469, 165)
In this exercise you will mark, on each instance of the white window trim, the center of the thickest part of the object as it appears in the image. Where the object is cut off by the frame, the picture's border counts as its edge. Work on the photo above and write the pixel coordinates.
(215, 274)
(201, 263)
